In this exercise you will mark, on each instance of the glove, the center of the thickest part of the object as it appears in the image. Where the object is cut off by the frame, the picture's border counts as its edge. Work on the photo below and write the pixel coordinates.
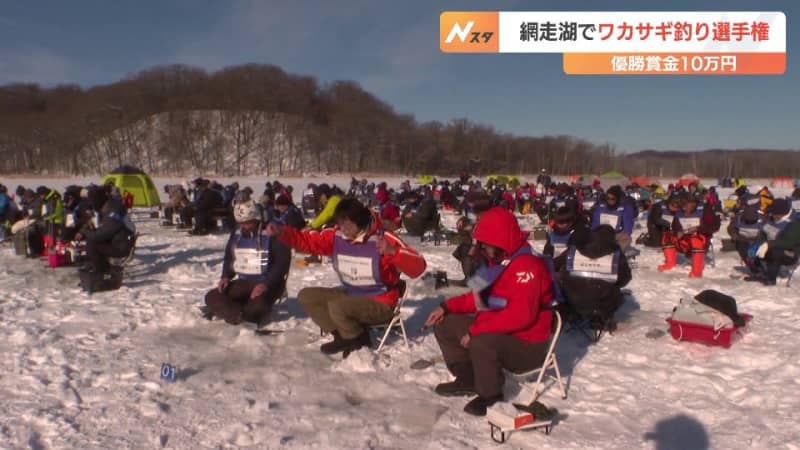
(762, 250)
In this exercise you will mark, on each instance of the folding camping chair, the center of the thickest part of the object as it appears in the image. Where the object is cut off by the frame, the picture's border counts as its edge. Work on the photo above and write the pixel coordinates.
(528, 388)
(396, 321)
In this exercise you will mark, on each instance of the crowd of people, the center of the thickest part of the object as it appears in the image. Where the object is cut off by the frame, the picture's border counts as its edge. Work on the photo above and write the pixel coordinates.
(503, 321)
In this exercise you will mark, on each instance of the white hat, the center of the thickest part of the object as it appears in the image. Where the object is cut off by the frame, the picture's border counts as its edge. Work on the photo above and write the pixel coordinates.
(246, 211)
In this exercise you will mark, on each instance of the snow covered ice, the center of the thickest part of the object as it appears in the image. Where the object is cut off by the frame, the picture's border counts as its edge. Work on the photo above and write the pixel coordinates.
(80, 371)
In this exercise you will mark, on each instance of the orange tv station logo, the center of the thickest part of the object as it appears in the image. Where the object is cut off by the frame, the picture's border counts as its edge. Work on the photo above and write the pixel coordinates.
(469, 32)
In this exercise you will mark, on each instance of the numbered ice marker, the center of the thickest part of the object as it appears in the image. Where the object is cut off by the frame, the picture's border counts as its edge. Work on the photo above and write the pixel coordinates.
(169, 372)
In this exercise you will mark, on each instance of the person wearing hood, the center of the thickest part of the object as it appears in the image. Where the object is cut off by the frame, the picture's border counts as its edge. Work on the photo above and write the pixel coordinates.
(591, 275)
(368, 261)
(782, 245)
(254, 271)
(504, 322)
(617, 211)
(112, 239)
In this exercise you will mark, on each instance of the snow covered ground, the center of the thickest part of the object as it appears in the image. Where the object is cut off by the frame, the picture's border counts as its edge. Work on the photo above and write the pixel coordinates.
(79, 371)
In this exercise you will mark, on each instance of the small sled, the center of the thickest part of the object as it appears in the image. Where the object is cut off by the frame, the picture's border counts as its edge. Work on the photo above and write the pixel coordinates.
(504, 419)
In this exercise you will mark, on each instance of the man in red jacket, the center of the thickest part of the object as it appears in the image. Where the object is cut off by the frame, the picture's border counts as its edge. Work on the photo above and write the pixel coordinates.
(368, 261)
(510, 327)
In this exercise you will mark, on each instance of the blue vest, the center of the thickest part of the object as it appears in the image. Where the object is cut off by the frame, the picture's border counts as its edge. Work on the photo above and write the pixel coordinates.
(485, 277)
(251, 255)
(605, 268)
(559, 241)
(358, 267)
(610, 216)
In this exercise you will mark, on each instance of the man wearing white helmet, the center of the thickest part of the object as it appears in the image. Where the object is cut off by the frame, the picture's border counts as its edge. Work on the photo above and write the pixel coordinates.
(253, 273)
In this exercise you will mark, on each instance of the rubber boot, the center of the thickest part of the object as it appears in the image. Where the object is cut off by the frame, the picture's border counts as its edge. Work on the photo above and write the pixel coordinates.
(698, 261)
(670, 259)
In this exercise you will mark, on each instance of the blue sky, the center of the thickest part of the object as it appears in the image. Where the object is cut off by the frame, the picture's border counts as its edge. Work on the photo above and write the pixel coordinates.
(392, 49)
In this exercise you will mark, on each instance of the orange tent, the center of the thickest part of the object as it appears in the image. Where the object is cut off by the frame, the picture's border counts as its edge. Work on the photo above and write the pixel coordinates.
(687, 179)
(641, 180)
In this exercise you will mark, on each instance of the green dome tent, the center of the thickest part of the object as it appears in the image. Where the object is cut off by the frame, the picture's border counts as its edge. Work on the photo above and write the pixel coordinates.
(425, 179)
(135, 181)
(503, 179)
(612, 174)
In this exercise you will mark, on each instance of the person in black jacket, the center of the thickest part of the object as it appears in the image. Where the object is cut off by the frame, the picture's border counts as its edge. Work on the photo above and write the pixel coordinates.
(206, 200)
(569, 229)
(113, 239)
(288, 213)
(659, 220)
(591, 277)
(420, 215)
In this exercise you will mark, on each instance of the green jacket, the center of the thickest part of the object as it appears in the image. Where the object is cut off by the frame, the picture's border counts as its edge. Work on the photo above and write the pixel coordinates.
(326, 215)
(56, 206)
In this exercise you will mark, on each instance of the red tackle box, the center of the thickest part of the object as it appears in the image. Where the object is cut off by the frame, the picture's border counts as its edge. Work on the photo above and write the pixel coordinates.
(695, 332)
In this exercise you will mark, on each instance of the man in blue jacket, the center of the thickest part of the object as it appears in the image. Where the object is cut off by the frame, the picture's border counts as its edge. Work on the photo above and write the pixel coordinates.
(254, 271)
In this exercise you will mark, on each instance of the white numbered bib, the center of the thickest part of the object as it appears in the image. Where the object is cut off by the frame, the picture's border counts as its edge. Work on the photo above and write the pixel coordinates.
(43, 210)
(558, 249)
(249, 261)
(609, 219)
(668, 217)
(526, 196)
(689, 222)
(603, 264)
(588, 204)
(69, 221)
(748, 232)
(355, 270)
(796, 205)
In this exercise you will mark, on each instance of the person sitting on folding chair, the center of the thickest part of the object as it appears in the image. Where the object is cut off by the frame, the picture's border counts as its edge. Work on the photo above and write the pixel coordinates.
(782, 245)
(659, 220)
(745, 227)
(368, 261)
(690, 233)
(254, 271)
(591, 275)
(503, 322)
(112, 239)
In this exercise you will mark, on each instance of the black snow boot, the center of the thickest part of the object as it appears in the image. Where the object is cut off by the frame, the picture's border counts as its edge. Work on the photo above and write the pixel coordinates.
(464, 384)
(477, 406)
(334, 346)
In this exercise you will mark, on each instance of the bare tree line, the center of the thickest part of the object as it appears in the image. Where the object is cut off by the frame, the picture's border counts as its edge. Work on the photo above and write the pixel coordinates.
(257, 119)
